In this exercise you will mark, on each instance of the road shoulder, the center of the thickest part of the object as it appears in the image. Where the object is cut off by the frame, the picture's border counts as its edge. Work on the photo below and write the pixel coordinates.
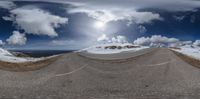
(188, 59)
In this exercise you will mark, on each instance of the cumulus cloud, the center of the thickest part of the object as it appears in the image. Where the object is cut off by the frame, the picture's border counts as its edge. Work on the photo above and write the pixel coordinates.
(115, 39)
(156, 40)
(1, 43)
(7, 18)
(179, 18)
(197, 43)
(119, 39)
(163, 39)
(142, 29)
(17, 38)
(36, 21)
(103, 38)
(116, 14)
(7, 4)
(145, 41)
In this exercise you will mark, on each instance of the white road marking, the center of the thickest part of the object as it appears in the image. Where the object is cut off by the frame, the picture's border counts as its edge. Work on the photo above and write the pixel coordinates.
(163, 63)
(71, 71)
(159, 64)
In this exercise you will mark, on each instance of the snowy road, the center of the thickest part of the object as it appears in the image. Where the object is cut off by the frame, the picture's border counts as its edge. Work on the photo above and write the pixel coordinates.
(149, 73)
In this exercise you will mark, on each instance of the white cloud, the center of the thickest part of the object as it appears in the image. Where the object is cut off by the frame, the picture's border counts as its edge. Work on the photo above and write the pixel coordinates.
(142, 29)
(116, 39)
(7, 18)
(142, 41)
(197, 43)
(116, 14)
(17, 38)
(36, 21)
(162, 39)
(119, 39)
(156, 40)
(1, 43)
(103, 38)
(7, 4)
(179, 18)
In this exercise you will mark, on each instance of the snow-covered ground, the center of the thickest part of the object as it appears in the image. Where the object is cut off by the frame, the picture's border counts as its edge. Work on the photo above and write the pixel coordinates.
(6, 56)
(193, 52)
(113, 48)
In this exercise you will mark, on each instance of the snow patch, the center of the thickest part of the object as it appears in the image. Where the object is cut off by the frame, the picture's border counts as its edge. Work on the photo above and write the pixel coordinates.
(113, 48)
(5, 52)
(6, 56)
(190, 51)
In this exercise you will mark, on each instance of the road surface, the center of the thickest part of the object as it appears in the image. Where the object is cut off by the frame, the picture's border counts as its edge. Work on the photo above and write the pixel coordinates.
(147, 74)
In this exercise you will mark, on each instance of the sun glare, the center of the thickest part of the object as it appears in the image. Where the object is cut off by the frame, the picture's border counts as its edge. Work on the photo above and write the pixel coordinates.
(99, 25)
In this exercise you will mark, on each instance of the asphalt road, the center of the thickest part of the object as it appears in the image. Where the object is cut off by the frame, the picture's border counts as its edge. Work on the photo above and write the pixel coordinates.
(147, 74)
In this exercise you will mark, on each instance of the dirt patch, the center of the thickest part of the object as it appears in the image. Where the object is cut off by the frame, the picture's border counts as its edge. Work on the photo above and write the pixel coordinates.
(27, 66)
(190, 60)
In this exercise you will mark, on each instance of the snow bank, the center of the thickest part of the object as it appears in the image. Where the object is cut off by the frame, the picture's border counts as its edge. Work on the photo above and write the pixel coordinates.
(193, 52)
(113, 48)
(6, 56)
(4, 52)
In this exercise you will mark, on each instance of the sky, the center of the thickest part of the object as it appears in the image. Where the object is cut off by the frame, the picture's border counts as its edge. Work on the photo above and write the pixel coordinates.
(77, 24)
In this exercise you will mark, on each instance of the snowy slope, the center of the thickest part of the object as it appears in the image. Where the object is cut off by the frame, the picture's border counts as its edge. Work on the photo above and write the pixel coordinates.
(113, 48)
(6, 56)
(193, 52)
(4, 52)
